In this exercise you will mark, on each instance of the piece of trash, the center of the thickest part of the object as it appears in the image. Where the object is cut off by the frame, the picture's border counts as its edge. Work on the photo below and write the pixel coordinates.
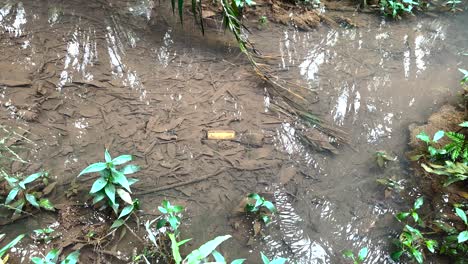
(220, 134)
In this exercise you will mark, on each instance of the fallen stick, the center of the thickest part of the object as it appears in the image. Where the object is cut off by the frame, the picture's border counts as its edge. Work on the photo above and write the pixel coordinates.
(174, 185)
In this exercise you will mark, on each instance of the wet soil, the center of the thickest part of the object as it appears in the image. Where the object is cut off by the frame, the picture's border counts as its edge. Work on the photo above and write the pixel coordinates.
(125, 76)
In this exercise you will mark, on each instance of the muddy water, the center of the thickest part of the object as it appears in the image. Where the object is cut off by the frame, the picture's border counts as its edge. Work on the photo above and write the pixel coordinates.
(123, 77)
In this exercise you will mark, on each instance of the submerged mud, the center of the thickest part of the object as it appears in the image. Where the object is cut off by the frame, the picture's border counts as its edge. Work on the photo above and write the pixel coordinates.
(125, 76)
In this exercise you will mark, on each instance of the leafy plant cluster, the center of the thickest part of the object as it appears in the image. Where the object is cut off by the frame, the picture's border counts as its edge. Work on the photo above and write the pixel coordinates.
(450, 160)
(445, 240)
(166, 243)
(261, 207)
(362, 255)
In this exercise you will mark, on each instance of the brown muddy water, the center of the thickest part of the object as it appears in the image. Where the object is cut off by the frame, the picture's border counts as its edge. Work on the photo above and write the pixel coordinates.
(117, 75)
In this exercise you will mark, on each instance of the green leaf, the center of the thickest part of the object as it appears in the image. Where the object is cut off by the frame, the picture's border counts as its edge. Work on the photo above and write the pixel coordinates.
(53, 255)
(32, 200)
(418, 203)
(181, 10)
(174, 222)
(46, 204)
(415, 216)
(396, 255)
(402, 216)
(117, 223)
(72, 258)
(115, 207)
(348, 254)
(461, 214)
(122, 159)
(37, 260)
(125, 196)
(94, 168)
(161, 223)
(126, 211)
(110, 192)
(98, 197)
(98, 185)
(205, 250)
(107, 156)
(132, 181)
(424, 137)
(362, 254)
(278, 261)
(417, 255)
(162, 209)
(177, 208)
(120, 178)
(30, 179)
(431, 244)
(12, 243)
(265, 259)
(438, 135)
(218, 257)
(464, 124)
(463, 236)
(269, 205)
(130, 169)
(12, 195)
(413, 230)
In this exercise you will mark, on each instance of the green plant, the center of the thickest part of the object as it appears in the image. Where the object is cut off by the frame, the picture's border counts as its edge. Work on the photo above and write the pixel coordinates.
(465, 72)
(53, 255)
(19, 194)
(453, 4)
(4, 250)
(454, 171)
(113, 181)
(411, 242)
(356, 259)
(431, 149)
(402, 216)
(44, 234)
(170, 215)
(395, 8)
(255, 203)
(263, 21)
(381, 157)
(265, 260)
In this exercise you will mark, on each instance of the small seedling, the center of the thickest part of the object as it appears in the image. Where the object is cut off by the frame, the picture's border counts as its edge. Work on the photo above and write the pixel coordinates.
(465, 72)
(453, 5)
(20, 193)
(53, 255)
(4, 250)
(44, 234)
(170, 215)
(255, 203)
(356, 259)
(113, 181)
(402, 216)
(265, 260)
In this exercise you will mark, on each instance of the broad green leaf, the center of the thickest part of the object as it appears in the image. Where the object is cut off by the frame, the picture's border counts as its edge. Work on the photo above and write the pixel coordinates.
(418, 203)
(362, 254)
(461, 214)
(177, 208)
(37, 260)
(32, 200)
(122, 159)
(130, 169)
(161, 223)
(175, 249)
(12, 195)
(417, 255)
(278, 261)
(463, 236)
(115, 207)
(72, 258)
(12, 243)
(53, 255)
(402, 216)
(424, 137)
(396, 255)
(265, 259)
(174, 222)
(218, 257)
(30, 179)
(98, 197)
(205, 250)
(94, 168)
(127, 210)
(125, 196)
(46, 204)
(107, 156)
(431, 244)
(162, 209)
(413, 230)
(269, 206)
(120, 178)
(110, 192)
(438, 135)
(464, 124)
(415, 216)
(132, 181)
(117, 223)
(98, 185)
(348, 253)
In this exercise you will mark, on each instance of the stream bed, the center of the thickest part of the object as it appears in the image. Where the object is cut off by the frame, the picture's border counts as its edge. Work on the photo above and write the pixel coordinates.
(82, 76)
